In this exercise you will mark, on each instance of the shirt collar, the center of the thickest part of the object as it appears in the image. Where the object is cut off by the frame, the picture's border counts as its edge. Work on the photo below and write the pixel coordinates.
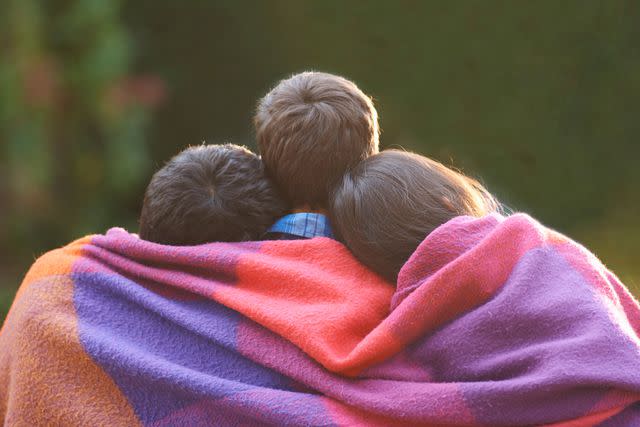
(304, 224)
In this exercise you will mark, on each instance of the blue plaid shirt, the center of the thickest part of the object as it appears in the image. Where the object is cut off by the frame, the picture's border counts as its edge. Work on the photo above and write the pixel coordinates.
(305, 225)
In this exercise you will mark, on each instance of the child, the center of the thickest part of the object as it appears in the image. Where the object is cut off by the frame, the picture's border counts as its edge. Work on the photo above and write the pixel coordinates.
(209, 193)
(310, 129)
(386, 206)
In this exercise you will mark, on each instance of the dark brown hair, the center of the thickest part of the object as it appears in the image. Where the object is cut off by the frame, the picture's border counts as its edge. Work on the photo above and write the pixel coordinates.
(386, 206)
(209, 193)
(310, 129)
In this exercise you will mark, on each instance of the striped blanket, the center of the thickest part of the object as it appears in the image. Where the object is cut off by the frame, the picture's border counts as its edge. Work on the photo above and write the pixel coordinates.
(495, 321)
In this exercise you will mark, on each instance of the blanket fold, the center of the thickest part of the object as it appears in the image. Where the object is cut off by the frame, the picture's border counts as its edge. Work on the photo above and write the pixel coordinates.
(494, 321)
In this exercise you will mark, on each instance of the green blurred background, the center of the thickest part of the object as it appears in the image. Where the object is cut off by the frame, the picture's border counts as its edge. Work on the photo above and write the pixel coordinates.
(537, 99)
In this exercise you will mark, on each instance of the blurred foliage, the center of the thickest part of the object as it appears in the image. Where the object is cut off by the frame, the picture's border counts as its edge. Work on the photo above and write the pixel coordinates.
(72, 121)
(539, 99)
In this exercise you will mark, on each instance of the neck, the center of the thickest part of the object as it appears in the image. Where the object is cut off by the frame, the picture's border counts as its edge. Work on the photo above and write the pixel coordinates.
(308, 209)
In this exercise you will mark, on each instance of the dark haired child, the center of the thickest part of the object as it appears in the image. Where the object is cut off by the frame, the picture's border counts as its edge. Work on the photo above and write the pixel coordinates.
(386, 206)
(209, 193)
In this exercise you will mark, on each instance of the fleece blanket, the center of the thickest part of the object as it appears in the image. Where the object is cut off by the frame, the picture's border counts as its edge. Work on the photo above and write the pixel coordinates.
(494, 321)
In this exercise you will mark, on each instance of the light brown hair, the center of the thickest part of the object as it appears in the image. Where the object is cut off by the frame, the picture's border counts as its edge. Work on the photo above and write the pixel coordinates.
(386, 206)
(310, 129)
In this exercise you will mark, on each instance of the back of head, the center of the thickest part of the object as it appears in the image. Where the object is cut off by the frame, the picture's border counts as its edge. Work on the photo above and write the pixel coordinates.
(386, 206)
(310, 129)
(209, 193)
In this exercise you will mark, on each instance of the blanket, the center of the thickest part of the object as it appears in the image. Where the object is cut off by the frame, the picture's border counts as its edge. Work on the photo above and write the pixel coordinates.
(494, 321)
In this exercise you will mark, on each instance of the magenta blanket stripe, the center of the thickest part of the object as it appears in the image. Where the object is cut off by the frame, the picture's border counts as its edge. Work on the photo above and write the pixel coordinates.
(495, 321)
